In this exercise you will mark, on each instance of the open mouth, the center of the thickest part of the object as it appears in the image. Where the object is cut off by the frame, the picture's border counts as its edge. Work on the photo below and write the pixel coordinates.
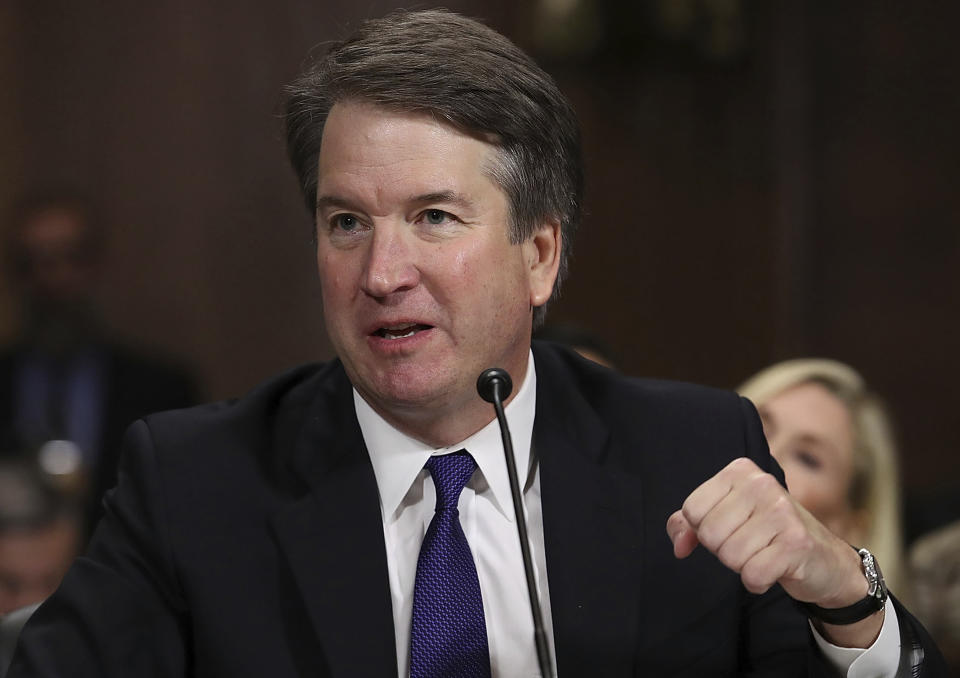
(401, 331)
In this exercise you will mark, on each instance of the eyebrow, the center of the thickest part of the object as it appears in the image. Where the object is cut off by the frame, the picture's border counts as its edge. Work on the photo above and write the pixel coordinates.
(333, 201)
(449, 197)
(814, 438)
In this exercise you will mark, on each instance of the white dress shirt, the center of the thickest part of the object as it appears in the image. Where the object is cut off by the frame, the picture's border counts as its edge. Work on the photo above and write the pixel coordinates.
(407, 504)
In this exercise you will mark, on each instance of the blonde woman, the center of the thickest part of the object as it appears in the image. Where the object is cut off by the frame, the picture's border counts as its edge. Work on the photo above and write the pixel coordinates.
(833, 439)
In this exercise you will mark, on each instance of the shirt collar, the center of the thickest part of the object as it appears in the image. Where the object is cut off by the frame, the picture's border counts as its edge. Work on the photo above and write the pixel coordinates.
(398, 459)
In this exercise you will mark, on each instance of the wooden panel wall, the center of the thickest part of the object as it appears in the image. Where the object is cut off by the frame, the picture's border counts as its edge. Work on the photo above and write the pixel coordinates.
(794, 199)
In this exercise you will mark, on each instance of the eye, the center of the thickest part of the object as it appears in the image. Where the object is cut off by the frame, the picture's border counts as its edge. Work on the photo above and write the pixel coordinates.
(808, 460)
(436, 217)
(346, 222)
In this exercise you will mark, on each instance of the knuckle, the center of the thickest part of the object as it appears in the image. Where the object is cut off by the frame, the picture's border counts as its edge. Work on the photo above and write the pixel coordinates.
(754, 579)
(712, 534)
(707, 536)
(783, 508)
(691, 513)
(731, 556)
(798, 538)
(764, 484)
(741, 465)
(805, 540)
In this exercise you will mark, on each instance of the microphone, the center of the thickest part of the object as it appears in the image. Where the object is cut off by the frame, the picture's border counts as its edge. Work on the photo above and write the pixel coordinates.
(494, 385)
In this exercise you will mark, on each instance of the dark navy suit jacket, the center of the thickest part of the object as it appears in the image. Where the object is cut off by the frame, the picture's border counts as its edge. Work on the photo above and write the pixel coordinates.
(245, 539)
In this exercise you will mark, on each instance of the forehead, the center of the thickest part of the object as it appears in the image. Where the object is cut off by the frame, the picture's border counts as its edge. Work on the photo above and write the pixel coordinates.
(52, 225)
(811, 408)
(367, 141)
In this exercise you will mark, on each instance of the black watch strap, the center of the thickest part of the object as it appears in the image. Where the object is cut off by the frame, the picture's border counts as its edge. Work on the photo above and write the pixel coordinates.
(874, 601)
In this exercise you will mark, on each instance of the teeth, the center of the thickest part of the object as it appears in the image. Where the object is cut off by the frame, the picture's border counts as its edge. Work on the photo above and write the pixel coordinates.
(401, 331)
(398, 331)
(389, 334)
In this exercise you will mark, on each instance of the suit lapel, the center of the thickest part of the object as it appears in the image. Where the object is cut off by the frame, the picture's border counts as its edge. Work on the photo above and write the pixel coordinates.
(332, 538)
(592, 545)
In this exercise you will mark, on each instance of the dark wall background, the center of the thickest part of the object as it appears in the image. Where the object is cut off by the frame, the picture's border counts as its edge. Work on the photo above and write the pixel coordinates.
(766, 180)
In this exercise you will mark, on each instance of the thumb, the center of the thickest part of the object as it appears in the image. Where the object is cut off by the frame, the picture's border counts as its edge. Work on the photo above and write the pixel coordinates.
(682, 534)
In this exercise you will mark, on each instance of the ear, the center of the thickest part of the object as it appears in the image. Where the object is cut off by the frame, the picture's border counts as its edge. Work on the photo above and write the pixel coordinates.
(542, 255)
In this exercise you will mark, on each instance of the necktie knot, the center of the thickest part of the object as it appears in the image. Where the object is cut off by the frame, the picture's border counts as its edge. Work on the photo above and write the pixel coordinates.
(450, 473)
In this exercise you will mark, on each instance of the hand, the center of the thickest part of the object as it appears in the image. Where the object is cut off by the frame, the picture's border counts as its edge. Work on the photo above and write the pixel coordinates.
(753, 526)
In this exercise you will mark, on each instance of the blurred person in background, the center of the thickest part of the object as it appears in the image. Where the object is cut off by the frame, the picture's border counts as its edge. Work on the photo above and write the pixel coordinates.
(41, 530)
(934, 561)
(833, 439)
(64, 378)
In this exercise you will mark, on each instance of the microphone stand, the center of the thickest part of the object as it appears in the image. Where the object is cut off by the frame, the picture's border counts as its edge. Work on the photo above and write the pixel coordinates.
(494, 385)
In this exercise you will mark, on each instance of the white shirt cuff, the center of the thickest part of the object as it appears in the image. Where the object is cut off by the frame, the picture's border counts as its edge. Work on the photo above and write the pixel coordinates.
(880, 660)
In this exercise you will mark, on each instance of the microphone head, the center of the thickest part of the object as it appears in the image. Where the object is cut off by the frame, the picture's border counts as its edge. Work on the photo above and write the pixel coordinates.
(494, 380)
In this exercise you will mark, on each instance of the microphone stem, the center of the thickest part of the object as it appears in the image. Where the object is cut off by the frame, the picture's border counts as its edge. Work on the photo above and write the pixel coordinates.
(540, 638)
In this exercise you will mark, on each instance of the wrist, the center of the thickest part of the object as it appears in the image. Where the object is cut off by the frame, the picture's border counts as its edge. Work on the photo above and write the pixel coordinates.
(866, 596)
(853, 586)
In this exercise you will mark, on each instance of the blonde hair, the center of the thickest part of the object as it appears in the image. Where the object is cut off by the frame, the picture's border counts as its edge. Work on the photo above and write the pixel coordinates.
(875, 485)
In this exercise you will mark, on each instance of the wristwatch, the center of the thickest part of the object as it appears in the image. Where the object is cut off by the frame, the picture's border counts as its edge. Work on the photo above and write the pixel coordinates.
(874, 601)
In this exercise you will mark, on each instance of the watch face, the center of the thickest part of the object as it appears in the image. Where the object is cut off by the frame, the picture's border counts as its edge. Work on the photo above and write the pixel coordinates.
(871, 568)
(881, 593)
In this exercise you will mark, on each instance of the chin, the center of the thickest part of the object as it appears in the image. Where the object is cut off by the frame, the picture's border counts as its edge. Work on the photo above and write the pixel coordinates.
(412, 388)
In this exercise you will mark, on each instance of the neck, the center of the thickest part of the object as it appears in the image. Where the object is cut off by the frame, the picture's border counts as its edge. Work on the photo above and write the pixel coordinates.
(443, 430)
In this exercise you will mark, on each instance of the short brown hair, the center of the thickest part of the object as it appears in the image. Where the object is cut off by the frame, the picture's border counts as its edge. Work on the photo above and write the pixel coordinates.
(468, 76)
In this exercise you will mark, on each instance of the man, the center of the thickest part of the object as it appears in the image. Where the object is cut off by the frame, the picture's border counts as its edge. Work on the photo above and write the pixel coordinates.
(327, 522)
(63, 378)
(40, 534)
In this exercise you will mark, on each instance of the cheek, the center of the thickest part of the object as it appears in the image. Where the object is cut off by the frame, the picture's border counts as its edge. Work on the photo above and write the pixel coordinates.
(334, 274)
(804, 483)
(465, 259)
(798, 481)
(819, 491)
(463, 273)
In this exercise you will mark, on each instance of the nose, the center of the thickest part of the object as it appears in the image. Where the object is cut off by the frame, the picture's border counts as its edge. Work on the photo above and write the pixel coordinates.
(391, 264)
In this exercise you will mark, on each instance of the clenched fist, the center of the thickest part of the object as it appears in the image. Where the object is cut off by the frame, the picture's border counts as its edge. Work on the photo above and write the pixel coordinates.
(751, 523)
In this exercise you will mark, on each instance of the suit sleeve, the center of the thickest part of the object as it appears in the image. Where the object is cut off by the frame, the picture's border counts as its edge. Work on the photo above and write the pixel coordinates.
(919, 655)
(119, 611)
(776, 639)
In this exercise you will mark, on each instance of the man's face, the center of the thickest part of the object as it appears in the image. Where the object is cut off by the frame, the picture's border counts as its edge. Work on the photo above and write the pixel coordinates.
(32, 563)
(422, 289)
(58, 267)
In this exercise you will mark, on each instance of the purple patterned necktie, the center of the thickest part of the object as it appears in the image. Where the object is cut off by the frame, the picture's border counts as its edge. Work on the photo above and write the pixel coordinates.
(448, 636)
